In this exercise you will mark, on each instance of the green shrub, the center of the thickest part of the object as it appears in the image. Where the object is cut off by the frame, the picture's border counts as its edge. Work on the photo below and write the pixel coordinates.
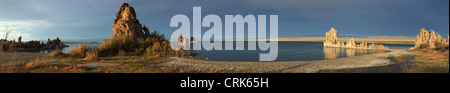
(126, 45)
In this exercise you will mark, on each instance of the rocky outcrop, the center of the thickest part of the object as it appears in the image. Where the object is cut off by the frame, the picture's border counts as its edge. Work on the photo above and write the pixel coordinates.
(351, 43)
(55, 43)
(430, 40)
(34, 44)
(126, 23)
(19, 40)
(147, 32)
(331, 40)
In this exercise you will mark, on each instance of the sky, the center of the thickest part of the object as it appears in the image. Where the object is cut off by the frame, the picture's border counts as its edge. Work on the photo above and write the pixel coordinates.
(92, 20)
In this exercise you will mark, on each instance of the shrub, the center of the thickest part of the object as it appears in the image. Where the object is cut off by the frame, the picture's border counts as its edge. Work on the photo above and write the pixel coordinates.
(80, 50)
(1, 48)
(156, 48)
(139, 51)
(5, 46)
(122, 53)
(56, 53)
(109, 46)
(125, 45)
(91, 56)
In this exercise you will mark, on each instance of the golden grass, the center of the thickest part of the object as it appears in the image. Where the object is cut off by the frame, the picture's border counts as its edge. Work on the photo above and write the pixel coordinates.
(91, 56)
(429, 62)
(8, 68)
(80, 50)
(44, 66)
(116, 64)
(56, 54)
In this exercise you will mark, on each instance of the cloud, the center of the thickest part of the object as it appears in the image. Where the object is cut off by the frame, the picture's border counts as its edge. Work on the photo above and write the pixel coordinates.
(24, 28)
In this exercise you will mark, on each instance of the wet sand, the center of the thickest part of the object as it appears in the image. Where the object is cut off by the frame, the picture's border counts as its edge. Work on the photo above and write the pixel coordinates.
(369, 60)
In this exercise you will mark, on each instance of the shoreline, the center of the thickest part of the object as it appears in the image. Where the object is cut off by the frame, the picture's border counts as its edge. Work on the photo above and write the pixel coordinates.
(314, 66)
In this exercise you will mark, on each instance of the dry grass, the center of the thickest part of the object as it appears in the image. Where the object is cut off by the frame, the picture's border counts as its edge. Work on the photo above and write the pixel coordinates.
(56, 54)
(423, 61)
(91, 56)
(116, 64)
(122, 53)
(429, 62)
(8, 68)
(80, 50)
(44, 66)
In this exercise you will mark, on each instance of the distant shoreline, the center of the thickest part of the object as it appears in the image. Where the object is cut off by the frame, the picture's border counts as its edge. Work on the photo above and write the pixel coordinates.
(375, 39)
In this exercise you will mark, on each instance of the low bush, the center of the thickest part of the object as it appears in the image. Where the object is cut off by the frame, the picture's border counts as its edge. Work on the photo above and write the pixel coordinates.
(56, 53)
(126, 45)
(80, 50)
(91, 56)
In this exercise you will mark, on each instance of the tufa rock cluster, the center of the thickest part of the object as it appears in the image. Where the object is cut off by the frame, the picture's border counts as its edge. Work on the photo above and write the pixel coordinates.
(430, 40)
(331, 40)
(30, 45)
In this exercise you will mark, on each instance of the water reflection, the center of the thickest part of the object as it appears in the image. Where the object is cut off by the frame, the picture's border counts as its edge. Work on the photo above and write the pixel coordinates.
(350, 52)
(332, 53)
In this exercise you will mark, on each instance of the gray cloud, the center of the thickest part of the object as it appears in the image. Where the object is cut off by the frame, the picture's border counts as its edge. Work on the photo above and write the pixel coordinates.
(92, 19)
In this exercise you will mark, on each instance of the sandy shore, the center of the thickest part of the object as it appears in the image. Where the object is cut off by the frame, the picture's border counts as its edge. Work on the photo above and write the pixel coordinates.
(378, 59)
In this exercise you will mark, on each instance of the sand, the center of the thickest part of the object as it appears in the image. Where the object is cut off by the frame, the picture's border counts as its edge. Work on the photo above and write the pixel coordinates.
(369, 60)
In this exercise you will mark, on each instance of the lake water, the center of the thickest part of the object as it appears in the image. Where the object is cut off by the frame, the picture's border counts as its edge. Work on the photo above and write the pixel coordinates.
(287, 51)
(291, 51)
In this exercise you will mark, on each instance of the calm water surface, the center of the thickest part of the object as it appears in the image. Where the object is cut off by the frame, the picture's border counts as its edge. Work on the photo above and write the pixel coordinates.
(291, 51)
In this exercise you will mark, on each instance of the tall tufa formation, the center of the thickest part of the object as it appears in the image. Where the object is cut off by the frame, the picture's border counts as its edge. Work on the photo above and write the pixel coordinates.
(126, 23)
(430, 39)
(147, 32)
(351, 43)
(331, 40)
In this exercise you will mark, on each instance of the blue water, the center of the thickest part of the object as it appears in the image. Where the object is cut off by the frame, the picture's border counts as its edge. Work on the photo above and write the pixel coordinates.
(291, 51)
